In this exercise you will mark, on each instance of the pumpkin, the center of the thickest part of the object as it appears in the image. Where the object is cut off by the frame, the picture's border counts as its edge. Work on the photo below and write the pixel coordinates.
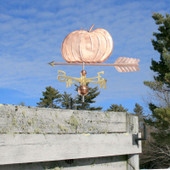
(87, 46)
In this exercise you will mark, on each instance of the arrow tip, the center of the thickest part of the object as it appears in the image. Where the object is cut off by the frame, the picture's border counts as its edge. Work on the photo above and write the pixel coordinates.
(52, 63)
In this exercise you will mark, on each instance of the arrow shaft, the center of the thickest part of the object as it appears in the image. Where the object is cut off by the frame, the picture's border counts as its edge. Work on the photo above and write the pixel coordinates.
(98, 64)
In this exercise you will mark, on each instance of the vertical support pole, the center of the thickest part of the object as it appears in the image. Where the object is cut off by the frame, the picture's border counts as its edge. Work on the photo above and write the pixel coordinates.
(83, 65)
(133, 162)
(83, 104)
(132, 128)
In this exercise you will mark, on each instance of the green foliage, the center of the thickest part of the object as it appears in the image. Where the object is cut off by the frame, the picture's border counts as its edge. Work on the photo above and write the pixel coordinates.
(22, 104)
(155, 85)
(51, 98)
(162, 45)
(89, 99)
(139, 112)
(159, 119)
(117, 108)
(67, 102)
(161, 86)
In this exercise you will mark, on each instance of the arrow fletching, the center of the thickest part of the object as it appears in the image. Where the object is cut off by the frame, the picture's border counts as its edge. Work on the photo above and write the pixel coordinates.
(125, 64)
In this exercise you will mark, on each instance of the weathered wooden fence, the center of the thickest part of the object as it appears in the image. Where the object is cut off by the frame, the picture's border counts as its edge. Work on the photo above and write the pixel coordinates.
(39, 138)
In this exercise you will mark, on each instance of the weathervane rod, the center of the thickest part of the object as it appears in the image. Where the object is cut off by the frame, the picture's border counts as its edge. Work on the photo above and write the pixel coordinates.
(83, 65)
(95, 64)
(122, 64)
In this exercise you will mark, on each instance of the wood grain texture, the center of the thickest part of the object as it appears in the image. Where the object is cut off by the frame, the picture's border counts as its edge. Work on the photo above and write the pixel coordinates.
(102, 163)
(32, 135)
(19, 119)
(21, 148)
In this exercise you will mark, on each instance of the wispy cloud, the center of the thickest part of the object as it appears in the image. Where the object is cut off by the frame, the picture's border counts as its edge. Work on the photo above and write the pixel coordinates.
(32, 34)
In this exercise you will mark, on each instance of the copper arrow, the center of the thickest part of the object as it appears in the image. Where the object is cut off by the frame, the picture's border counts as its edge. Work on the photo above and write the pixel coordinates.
(122, 64)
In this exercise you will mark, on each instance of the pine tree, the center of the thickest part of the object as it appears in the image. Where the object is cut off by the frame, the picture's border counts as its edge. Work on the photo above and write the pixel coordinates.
(160, 117)
(117, 108)
(51, 98)
(162, 45)
(160, 107)
(138, 110)
(89, 99)
(67, 102)
(22, 103)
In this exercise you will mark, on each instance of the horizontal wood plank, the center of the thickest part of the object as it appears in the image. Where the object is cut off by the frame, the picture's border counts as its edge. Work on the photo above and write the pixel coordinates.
(24, 120)
(22, 148)
(109, 163)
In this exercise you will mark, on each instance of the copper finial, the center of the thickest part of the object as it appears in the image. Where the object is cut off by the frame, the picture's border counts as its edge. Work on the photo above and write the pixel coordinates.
(83, 72)
(83, 90)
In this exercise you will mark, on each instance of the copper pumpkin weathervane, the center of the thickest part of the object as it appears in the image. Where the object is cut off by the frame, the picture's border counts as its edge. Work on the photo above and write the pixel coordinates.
(91, 48)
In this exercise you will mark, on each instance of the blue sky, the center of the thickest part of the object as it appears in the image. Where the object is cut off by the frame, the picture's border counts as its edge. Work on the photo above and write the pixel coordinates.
(31, 34)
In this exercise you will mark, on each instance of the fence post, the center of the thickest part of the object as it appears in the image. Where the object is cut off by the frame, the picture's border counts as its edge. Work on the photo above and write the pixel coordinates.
(132, 127)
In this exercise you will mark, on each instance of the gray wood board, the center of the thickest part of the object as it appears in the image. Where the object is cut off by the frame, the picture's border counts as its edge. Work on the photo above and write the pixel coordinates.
(22, 148)
(21, 119)
(109, 163)
(133, 162)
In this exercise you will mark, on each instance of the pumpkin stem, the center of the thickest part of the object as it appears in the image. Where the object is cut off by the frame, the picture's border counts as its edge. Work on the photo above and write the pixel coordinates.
(91, 28)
